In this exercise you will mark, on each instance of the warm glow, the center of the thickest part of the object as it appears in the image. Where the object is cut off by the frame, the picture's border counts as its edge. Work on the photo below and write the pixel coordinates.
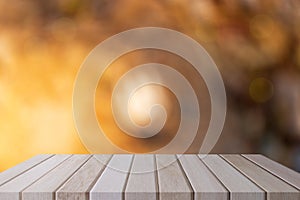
(140, 104)
(254, 43)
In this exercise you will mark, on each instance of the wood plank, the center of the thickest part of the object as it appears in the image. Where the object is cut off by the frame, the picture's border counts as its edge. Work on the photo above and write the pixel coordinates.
(205, 185)
(172, 182)
(189, 177)
(275, 188)
(111, 183)
(45, 187)
(12, 189)
(78, 186)
(239, 186)
(142, 179)
(290, 176)
(15, 171)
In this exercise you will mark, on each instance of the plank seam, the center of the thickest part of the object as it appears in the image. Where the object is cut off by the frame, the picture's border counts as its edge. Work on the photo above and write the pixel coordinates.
(156, 177)
(59, 186)
(127, 177)
(97, 177)
(227, 189)
(186, 178)
(270, 172)
(27, 169)
(242, 173)
(21, 192)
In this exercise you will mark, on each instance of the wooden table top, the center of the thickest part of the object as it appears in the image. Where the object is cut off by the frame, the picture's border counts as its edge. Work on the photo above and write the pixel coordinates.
(147, 176)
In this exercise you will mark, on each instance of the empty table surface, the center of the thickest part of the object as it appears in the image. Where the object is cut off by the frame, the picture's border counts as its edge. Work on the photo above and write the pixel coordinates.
(148, 176)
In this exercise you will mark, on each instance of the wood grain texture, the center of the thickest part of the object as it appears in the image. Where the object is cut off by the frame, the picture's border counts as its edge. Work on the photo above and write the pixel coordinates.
(21, 168)
(142, 179)
(45, 187)
(111, 183)
(239, 186)
(145, 176)
(205, 185)
(286, 174)
(172, 182)
(271, 184)
(78, 186)
(12, 189)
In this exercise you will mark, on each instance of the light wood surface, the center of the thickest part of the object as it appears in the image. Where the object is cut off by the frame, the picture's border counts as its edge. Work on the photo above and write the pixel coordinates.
(239, 186)
(171, 179)
(271, 184)
(276, 169)
(78, 186)
(46, 186)
(145, 176)
(21, 168)
(112, 182)
(205, 185)
(13, 188)
(142, 179)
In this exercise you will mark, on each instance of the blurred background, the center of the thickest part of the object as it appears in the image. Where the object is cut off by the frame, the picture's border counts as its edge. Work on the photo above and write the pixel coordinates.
(255, 44)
